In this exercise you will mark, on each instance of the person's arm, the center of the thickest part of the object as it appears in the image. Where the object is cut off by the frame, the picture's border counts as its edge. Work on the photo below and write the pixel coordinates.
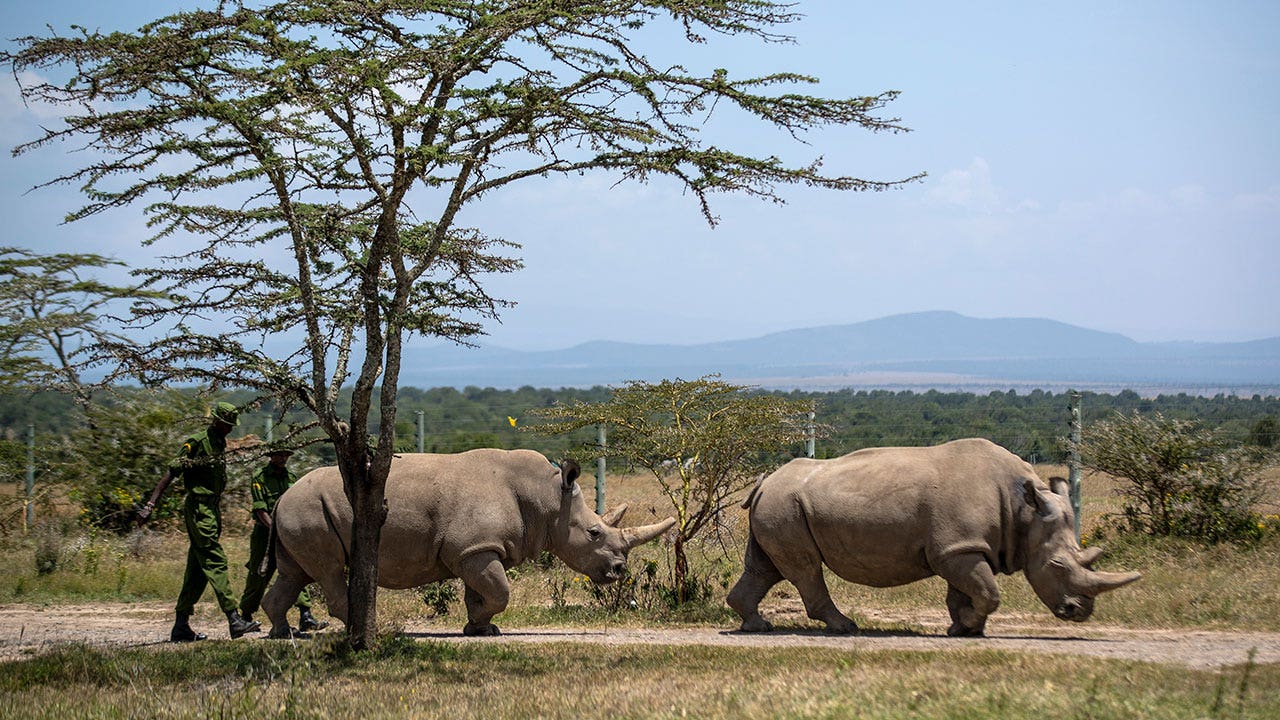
(257, 490)
(175, 469)
(263, 517)
(145, 513)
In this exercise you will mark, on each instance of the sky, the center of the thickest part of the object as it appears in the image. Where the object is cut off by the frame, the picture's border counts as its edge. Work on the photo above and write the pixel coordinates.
(1112, 165)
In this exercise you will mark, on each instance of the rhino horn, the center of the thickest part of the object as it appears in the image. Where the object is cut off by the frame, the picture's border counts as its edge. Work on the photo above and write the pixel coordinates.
(1100, 582)
(1090, 555)
(643, 534)
(612, 517)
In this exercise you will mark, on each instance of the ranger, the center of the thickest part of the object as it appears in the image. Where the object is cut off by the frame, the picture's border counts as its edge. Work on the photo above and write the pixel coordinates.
(202, 463)
(269, 483)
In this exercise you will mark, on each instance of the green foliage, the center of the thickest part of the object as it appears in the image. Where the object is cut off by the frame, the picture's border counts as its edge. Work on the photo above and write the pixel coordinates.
(51, 310)
(1182, 480)
(439, 596)
(114, 461)
(1265, 433)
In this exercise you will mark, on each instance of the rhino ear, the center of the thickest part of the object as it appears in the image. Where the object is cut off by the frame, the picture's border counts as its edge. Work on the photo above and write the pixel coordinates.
(612, 517)
(1060, 486)
(1035, 498)
(569, 472)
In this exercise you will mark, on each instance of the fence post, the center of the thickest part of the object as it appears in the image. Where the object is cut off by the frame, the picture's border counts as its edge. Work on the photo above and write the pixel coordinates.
(811, 445)
(422, 431)
(271, 430)
(29, 516)
(1073, 462)
(601, 441)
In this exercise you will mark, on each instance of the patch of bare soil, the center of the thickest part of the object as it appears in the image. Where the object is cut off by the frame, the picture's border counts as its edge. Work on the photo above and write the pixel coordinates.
(26, 630)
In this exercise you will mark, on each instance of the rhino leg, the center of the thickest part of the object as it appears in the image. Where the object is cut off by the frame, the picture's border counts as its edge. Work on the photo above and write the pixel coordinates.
(283, 593)
(486, 594)
(817, 601)
(796, 556)
(972, 594)
(759, 575)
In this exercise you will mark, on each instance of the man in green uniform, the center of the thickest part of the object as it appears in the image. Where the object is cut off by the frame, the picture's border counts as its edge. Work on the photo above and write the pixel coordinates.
(202, 463)
(268, 485)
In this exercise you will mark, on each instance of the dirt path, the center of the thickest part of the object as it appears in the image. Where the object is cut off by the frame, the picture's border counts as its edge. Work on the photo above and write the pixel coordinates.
(29, 629)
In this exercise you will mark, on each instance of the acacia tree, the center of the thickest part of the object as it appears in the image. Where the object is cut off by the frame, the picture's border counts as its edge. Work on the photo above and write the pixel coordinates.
(703, 441)
(341, 138)
(52, 308)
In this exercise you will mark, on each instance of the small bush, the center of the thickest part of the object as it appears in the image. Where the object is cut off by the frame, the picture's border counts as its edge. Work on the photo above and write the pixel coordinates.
(49, 547)
(439, 596)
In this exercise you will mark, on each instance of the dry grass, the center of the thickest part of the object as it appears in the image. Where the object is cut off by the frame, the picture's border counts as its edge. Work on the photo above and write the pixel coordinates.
(407, 679)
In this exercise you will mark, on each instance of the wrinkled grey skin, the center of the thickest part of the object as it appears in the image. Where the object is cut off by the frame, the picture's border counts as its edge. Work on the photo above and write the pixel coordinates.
(471, 515)
(964, 511)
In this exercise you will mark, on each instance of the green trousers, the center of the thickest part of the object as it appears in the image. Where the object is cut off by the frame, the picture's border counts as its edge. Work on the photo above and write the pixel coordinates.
(255, 585)
(206, 561)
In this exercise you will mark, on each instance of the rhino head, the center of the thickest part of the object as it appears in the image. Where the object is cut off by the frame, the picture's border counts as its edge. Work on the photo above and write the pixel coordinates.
(1057, 568)
(591, 544)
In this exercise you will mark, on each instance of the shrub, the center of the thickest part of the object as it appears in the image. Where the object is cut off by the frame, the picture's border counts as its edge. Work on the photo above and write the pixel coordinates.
(49, 540)
(439, 596)
(1182, 480)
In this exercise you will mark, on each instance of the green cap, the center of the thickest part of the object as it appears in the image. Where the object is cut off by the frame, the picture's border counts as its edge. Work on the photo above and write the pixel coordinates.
(226, 412)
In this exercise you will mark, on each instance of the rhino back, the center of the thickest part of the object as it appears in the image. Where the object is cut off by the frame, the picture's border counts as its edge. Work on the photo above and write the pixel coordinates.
(440, 508)
(881, 516)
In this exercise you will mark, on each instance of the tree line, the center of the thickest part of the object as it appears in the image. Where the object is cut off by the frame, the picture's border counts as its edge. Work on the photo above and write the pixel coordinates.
(1031, 424)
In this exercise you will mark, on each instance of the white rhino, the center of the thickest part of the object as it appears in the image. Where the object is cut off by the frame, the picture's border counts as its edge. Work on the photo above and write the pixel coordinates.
(964, 511)
(471, 515)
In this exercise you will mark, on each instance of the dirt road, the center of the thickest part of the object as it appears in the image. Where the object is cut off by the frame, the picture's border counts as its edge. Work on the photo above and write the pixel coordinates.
(28, 629)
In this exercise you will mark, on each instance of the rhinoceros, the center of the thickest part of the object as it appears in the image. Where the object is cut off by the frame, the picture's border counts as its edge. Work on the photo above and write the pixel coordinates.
(471, 515)
(883, 517)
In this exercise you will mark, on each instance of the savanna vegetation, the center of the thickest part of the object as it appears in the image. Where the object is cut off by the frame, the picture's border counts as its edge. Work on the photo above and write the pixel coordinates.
(1187, 585)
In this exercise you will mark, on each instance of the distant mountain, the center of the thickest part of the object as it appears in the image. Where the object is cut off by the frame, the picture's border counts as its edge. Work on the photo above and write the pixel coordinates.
(943, 350)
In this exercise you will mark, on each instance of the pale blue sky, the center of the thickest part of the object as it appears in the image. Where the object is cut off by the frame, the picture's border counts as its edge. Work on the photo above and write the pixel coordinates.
(1114, 165)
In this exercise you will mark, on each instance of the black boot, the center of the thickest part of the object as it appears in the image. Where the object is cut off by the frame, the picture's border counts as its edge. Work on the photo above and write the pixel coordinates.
(307, 622)
(238, 625)
(182, 631)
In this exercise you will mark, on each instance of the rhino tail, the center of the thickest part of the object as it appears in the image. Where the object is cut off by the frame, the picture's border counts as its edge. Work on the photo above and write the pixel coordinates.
(331, 522)
(268, 564)
(751, 496)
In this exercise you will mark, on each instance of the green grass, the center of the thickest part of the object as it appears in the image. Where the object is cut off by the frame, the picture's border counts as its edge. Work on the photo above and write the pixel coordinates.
(422, 679)
(103, 567)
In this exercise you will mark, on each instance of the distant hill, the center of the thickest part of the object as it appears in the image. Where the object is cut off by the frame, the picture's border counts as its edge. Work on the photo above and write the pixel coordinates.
(942, 350)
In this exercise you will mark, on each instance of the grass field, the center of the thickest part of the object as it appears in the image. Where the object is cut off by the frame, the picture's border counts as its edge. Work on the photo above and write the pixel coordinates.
(1185, 586)
(402, 678)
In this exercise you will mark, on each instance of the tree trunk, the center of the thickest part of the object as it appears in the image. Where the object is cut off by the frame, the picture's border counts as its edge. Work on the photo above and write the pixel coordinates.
(368, 514)
(681, 571)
